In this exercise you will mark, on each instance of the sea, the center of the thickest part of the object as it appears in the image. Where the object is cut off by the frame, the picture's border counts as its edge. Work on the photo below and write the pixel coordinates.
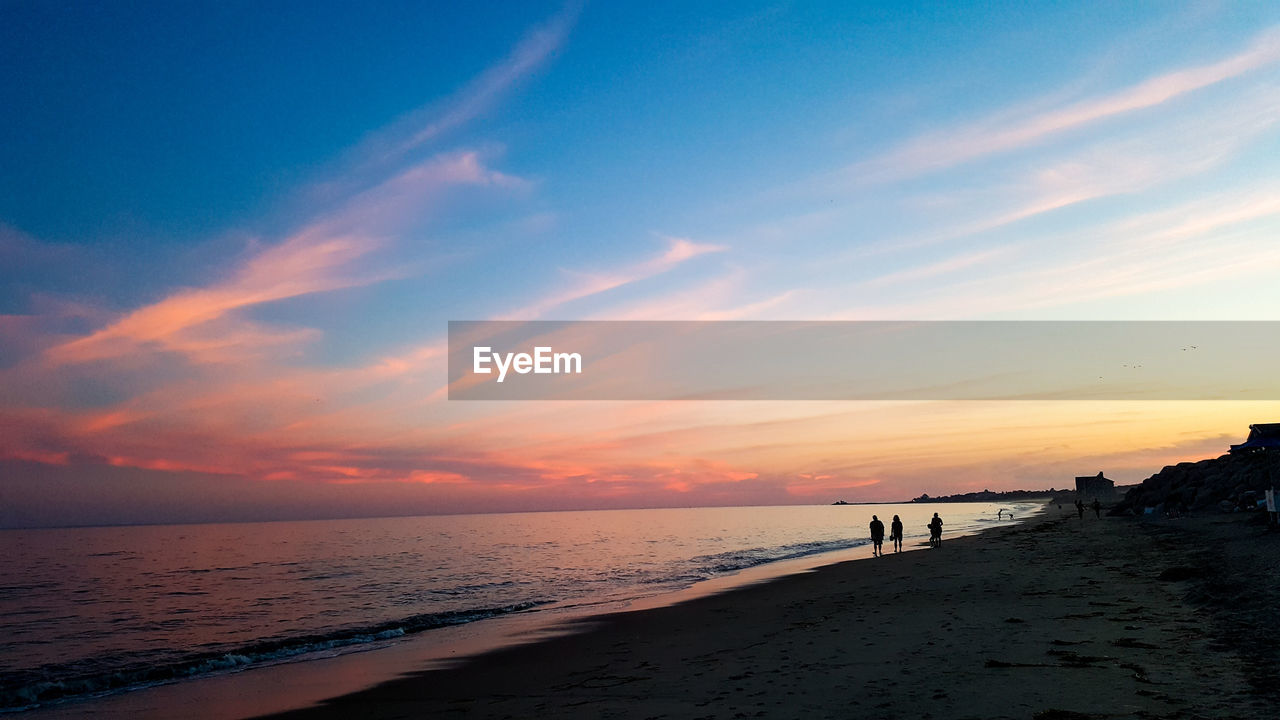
(96, 611)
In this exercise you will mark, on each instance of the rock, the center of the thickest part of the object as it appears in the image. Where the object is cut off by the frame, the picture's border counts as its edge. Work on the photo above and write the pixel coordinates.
(1225, 482)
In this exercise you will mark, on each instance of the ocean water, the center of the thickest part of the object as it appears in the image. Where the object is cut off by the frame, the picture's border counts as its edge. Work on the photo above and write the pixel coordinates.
(90, 611)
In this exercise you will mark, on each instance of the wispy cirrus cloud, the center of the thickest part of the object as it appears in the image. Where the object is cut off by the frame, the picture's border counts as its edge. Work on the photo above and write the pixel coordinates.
(248, 400)
(1199, 218)
(952, 147)
(394, 185)
(946, 266)
(726, 295)
(423, 126)
(1202, 243)
(1017, 233)
(1157, 156)
(321, 257)
(587, 284)
(533, 50)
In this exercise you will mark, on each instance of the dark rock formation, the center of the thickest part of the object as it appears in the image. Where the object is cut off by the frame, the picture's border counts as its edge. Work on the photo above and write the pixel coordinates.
(1228, 483)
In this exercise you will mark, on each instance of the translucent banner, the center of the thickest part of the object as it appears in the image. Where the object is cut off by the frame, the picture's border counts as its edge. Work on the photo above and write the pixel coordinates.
(875, 360)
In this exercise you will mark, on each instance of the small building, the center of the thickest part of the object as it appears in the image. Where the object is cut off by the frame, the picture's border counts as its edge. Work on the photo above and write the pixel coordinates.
(1095, 486)
(1262, 436)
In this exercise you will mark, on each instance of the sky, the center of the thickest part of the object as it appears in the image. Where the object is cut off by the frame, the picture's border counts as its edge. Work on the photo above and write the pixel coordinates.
(232, 236)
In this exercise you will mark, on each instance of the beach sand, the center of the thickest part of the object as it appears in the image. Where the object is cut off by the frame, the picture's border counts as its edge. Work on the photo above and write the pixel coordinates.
(1056, 618)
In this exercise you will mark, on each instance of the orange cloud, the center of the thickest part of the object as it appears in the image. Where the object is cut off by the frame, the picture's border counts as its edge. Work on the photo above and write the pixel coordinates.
(427, 477)
(320, 257)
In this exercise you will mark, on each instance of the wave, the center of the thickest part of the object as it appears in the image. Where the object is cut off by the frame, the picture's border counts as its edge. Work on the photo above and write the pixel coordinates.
(52, 682)
(26, 689)
(720, 563)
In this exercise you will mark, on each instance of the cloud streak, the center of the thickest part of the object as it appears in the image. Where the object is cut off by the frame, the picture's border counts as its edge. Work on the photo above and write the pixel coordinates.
(320, 257)
(950, 148)
(585, 285)
(197, 382)
(421, 127)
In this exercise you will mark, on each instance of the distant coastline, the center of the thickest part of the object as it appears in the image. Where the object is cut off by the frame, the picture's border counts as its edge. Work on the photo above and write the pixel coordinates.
(981, 496)
(1050, 495)
(990, 496)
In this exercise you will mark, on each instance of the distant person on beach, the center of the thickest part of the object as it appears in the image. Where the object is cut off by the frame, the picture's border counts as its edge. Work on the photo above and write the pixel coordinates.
(1097, 509)
(935, 531)
(895, 533)
(877, 536)
(1080, 508)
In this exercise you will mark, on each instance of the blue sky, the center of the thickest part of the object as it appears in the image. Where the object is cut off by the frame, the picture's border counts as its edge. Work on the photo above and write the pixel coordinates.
(167, 135)
(264, 204)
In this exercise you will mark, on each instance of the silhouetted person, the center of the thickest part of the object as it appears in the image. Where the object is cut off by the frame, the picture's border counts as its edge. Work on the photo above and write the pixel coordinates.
(1097, 509)
(1080, 508)
(935, 531)
(877, 536)
(895, 533)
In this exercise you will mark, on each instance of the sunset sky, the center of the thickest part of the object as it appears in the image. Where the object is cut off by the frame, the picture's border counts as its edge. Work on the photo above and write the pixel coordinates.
(232, 236)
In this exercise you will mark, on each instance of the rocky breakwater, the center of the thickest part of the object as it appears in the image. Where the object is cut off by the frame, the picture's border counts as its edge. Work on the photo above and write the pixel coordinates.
(1227, 483)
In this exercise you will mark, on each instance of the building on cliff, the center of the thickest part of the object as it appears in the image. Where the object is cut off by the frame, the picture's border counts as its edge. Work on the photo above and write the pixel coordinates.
(1095, 486)
(1262, 436)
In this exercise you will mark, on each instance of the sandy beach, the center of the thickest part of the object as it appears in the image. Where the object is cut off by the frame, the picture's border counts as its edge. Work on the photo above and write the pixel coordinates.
(1055, 618)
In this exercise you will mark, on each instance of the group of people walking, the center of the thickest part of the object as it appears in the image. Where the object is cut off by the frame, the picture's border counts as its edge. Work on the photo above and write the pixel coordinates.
(895, 534)
(1096, 506)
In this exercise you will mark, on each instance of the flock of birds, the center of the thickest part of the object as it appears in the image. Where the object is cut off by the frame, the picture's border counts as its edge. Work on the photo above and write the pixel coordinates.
(1134, 367)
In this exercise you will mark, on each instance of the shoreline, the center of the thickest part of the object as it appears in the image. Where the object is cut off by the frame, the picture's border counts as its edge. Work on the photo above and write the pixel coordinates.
(1050, 616)
(305, 682)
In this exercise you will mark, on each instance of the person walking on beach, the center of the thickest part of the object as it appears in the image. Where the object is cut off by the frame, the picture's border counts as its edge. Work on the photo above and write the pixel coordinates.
(877, 536)
(1097, 509)
(935, 531)
(895, 533)
(1080, 508)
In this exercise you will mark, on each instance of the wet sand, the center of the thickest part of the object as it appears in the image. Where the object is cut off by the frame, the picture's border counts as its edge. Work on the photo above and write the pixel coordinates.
(1056, 619)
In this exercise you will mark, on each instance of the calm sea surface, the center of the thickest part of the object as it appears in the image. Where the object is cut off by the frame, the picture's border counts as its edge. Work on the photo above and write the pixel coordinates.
(87, 611)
